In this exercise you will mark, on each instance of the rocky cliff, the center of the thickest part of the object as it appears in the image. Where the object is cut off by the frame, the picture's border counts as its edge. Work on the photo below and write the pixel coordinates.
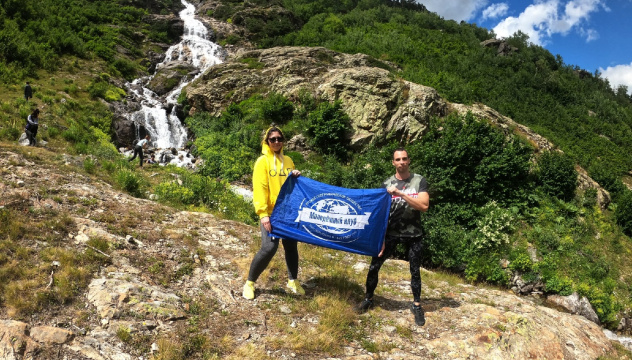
(175, 281)
(380, 105)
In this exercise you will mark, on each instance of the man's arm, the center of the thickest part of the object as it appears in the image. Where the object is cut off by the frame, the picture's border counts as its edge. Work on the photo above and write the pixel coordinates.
(421, 202)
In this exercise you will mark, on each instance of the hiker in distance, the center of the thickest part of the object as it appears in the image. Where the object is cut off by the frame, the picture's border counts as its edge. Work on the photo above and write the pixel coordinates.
(28, 91)
(409, 199)
(138, 149)
(271, 170)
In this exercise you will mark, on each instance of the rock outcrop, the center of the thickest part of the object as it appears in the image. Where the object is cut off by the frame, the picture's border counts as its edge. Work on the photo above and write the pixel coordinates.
(381, 106)
(169, 75)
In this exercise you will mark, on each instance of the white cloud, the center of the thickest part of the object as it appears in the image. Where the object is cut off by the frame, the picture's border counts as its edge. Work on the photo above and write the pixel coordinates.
(495, 11)
(618, 75)
(455, 9)
(543, 18)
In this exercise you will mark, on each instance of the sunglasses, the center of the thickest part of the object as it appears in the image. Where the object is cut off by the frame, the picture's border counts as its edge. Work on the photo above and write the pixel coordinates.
(275, 139)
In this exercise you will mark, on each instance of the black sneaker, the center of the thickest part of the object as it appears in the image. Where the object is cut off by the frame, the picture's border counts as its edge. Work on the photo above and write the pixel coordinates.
(418, 311)
(365, 305)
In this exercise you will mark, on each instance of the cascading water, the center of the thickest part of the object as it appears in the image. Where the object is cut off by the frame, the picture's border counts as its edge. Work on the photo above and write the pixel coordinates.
(163, 126)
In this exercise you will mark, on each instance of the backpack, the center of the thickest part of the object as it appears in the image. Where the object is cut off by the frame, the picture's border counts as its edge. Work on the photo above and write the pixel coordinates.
(135, 142)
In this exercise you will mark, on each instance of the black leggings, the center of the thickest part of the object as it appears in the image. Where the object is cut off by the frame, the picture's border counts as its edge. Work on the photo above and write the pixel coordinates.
(138, 150)
(414, 255)
(269, 247)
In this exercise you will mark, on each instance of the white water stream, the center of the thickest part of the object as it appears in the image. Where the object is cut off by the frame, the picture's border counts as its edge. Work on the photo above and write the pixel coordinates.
(164, 127)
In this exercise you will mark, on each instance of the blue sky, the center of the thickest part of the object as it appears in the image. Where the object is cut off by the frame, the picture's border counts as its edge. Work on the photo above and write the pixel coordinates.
(592, 34)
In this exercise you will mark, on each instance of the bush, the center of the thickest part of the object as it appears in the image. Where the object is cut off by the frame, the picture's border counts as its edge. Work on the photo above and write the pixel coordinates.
(486, 267)
(327, 127)
(520, 261)
(493, 226)
(559, 285)
(277, 109)
(609, 180)
(98, 89)
(10, 133)
(557, 175)
(467, 161)
(130, 182)
(623, 213)
(89, 165)
(171, 192)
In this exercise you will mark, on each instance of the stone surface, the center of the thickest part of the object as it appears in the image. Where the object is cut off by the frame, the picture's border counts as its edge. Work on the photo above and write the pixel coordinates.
(380, 106)
(169, 76)
(575, 305)
(50, 335)
(14, 341)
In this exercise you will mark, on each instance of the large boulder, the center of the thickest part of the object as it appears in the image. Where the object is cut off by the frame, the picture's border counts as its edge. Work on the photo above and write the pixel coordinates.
(123, 128)
(170, 24)
(380, 106)
(575, 305)
(169, 75)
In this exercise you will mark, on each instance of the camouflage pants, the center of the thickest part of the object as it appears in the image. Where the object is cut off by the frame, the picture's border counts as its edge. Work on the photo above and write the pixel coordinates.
(414, 255)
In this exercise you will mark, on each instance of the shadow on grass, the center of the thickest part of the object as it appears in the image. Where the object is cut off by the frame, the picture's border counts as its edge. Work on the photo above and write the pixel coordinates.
(338, 284)
(428, 304)
(350, 291)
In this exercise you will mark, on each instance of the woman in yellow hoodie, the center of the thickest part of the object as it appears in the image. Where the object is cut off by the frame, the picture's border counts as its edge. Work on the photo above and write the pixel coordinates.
(271, 170)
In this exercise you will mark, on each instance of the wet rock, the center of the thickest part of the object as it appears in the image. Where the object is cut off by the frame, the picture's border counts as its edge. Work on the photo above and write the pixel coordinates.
(169, 76)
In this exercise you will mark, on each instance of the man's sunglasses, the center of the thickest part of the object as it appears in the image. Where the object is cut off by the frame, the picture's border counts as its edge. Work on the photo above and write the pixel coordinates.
(275, 139)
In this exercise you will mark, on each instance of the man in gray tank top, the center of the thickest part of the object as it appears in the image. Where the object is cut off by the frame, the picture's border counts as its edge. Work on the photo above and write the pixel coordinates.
(409, 199)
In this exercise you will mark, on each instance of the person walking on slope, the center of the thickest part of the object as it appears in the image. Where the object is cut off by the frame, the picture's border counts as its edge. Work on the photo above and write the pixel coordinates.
(409, 199)
(28, 92)
(271, 170)
(32, 123)
(138, 149)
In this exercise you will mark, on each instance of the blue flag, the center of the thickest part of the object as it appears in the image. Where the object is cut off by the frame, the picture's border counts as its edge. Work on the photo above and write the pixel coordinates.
(352, 220)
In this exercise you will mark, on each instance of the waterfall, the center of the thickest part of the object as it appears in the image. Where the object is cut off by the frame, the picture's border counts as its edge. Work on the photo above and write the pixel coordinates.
(162, 124)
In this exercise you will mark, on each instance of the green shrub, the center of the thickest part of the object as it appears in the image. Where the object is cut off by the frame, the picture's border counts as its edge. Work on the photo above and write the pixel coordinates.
(520, 261)
(493, 226)
(557, 175)
(53, 131)
(486, 267)
(171, 192)
(89, 165)
(98, 89)
(126, 68)
(10, 133)
(467, 161)
(327, 128)
(603, 302)
(114, 94)
(446, 239)
(623, 212)
(200, 190)
(130, 182)
(608, 179)
(559, 285)
(277, 109)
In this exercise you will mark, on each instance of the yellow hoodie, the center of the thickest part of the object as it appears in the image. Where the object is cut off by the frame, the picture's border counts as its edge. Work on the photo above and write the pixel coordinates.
(271, 171)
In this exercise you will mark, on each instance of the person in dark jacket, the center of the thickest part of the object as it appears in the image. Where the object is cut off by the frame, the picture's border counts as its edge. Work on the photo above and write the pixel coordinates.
(138, 149)
(28, 92)
(32, 123)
